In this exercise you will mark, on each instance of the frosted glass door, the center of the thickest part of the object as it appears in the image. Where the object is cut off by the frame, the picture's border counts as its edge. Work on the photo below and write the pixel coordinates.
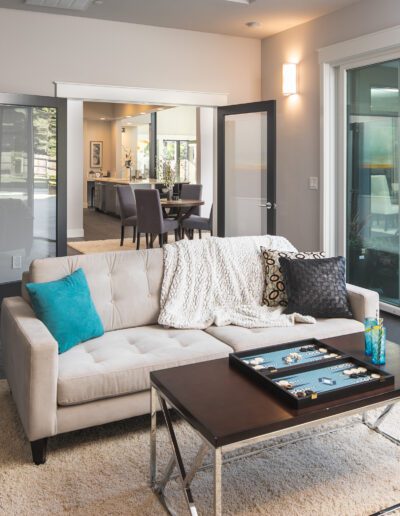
(247, 167)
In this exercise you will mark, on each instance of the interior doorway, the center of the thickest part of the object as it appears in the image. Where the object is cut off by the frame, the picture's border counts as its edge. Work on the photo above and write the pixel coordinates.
(136, 145)
(247, 169)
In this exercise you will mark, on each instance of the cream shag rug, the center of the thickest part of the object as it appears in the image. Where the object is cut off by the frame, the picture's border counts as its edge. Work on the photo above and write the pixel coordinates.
(104, 246)
(350, 471)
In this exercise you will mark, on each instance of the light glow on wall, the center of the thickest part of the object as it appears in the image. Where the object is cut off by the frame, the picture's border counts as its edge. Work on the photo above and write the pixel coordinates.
(289, 79)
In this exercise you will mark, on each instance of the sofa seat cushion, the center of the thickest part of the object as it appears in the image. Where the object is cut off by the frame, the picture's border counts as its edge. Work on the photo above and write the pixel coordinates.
(241, 339)
(120, 361)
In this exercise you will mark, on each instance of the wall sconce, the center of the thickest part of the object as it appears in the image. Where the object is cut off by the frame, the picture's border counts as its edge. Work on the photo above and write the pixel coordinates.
(289, 79)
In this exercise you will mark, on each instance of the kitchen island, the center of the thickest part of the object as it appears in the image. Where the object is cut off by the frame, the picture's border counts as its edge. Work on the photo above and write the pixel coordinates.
(102, 192)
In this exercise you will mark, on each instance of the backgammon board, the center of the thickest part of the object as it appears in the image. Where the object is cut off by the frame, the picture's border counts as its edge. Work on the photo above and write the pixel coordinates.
(309, 372)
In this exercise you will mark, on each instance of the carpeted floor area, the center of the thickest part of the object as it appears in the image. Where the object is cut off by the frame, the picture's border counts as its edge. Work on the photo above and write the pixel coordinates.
(351, 471)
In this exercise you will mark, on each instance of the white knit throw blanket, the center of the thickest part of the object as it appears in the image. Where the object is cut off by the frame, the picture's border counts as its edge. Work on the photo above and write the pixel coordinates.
(220, 281)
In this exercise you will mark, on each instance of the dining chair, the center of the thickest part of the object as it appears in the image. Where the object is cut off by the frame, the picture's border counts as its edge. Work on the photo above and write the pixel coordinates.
(127, 209)
(194, 222)
(192, 192)
(150, 218)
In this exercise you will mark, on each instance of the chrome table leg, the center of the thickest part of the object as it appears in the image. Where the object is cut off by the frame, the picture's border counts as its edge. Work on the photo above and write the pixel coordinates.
(218, 482)
(198, 461)
(379, 420)
(178, 458)
(153, 436)
(160, 486)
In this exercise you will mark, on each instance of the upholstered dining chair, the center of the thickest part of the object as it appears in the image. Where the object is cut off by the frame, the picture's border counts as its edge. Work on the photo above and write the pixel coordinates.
(192, 192)
(127, 208)
(194, 222)
(150, 218)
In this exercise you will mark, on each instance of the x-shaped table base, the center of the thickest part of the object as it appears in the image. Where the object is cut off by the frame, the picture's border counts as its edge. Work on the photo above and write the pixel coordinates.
(186, 478)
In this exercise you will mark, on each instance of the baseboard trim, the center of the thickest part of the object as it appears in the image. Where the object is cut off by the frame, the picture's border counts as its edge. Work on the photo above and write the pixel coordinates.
(75, 233)
(391, 309)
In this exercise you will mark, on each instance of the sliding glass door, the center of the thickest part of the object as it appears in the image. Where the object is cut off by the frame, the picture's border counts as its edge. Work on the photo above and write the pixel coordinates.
(373, 216)
(32, 184)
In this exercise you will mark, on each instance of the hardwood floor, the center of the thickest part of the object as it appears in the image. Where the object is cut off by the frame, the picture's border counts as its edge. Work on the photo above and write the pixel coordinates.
(99, 226)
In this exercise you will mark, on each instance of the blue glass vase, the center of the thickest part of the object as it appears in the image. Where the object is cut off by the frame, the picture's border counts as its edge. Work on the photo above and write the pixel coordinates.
(378, 334)
(369, 323)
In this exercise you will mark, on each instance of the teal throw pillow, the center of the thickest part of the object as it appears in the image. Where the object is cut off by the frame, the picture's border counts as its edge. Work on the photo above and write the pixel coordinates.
(65, 306)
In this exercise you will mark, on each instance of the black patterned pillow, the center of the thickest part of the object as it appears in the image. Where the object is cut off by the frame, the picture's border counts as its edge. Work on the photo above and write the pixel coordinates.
(317, 287)
(275, 290)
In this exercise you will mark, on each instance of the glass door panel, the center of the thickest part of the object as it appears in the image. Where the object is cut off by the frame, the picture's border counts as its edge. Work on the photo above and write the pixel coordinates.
(373, 223)
(246, 169)
(30, 216)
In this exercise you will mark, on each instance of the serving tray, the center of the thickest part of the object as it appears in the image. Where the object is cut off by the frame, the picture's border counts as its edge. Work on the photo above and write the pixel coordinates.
(308, 372)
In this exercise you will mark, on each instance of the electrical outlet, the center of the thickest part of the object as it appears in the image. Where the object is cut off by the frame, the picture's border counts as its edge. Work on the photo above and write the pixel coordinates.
(17, 262)
(313, 183)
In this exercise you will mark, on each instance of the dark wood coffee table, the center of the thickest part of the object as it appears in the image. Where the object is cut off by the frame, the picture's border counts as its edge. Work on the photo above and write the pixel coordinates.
(228, 411)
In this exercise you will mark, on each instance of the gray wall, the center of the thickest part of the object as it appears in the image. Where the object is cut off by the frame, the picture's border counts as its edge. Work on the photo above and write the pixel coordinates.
(298, 117)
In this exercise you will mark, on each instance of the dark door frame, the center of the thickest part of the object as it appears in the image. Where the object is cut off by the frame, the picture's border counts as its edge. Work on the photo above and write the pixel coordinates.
(268, 106)
(60, 104)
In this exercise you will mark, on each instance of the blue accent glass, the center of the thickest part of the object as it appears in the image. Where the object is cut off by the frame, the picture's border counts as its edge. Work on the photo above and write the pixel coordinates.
(378, 334)
(369, 322)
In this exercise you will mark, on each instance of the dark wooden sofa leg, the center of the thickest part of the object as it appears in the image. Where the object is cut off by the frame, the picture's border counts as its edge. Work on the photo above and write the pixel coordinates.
(39, 450)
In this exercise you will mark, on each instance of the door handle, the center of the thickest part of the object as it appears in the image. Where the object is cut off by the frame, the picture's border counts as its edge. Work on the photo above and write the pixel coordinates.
(268, 205)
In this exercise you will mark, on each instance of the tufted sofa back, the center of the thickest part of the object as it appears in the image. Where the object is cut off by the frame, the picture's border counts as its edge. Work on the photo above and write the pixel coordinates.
(125, 285)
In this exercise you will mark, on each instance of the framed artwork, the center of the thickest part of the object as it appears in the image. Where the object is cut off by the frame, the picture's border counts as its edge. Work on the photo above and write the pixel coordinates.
(96, 154)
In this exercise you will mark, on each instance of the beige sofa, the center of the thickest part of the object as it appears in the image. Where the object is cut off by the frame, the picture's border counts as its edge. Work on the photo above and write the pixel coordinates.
(107, 379)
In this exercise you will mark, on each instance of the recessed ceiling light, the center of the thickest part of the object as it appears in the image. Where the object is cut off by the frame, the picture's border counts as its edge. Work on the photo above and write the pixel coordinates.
(76, 5)
(253, 24)
(98, 2)
(102, 118)
(142, 113)
(246, 2)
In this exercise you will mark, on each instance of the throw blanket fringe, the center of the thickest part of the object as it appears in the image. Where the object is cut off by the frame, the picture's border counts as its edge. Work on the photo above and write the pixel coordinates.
(220, 281)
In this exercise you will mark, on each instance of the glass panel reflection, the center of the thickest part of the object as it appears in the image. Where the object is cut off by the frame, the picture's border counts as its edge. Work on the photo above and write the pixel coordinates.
(28, 180)
(373, 179)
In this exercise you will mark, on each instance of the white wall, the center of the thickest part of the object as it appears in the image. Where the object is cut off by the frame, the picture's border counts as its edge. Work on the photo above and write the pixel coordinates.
(74, 169)
(298, 118)
(94, 130)
(128, 143)
(206, 152)
(37, 49)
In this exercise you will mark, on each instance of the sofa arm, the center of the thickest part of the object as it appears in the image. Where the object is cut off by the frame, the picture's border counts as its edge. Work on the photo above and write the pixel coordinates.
(364, 303)
(31, 365)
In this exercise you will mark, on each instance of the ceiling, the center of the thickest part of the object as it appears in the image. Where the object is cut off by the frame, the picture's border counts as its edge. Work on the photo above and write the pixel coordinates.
(106, 111)
(217, 16)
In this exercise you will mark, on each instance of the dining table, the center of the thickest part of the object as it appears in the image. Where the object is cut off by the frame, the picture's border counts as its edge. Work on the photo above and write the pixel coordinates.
(180, 209)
